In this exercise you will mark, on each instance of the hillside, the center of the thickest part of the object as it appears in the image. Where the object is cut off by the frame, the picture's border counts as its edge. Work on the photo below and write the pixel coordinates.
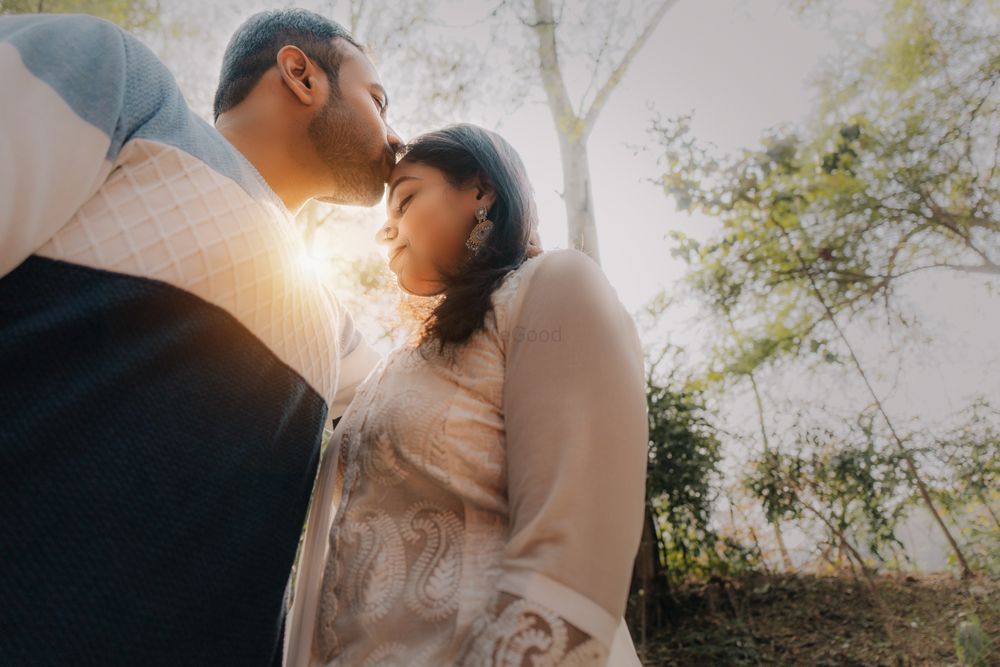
(824, 621)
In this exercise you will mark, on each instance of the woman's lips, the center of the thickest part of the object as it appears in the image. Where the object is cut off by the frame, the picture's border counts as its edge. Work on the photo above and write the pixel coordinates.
(394, 253)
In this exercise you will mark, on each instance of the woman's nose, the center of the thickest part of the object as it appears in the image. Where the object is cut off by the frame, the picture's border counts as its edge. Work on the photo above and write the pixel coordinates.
(386, 234)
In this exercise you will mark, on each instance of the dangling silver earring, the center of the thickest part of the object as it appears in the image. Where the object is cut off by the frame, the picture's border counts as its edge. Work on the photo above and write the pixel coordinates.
(480, 232)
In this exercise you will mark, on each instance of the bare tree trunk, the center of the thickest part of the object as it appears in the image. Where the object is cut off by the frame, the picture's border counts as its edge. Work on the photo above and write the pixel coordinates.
(573, 135)
(579, 201)
(649, 582)
(574, 127)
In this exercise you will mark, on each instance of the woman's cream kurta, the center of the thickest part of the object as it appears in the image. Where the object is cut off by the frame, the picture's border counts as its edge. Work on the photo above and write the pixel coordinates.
(488, 509)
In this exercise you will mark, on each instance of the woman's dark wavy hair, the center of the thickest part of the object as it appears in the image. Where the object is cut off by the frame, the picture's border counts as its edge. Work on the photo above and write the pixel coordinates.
(464, 152)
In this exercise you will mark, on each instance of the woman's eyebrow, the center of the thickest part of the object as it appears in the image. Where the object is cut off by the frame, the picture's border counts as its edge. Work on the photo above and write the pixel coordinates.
(392, 188)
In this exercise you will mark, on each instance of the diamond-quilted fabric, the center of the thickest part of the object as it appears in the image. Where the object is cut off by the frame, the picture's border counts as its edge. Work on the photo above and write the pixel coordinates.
(166, 215)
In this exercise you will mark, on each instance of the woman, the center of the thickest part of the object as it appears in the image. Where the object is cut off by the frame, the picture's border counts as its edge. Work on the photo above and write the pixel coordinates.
(481, 499)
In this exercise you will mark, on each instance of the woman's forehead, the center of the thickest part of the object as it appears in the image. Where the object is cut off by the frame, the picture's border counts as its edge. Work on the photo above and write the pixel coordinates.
(414, 170)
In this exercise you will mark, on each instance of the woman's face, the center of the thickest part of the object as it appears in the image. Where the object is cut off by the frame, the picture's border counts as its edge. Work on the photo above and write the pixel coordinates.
(429, 221)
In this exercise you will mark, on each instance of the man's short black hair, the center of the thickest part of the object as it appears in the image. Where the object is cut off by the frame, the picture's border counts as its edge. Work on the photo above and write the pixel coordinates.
(254, 48)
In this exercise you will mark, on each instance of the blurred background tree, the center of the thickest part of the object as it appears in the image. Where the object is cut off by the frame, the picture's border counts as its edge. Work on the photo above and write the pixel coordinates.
(136, 15)
(896, 175)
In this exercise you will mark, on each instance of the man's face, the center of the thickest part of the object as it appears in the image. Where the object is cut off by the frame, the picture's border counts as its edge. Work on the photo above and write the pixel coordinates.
(351, 134)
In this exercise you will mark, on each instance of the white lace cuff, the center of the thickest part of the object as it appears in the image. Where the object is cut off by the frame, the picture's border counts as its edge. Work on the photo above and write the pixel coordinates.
(519, 632)
(577, 609)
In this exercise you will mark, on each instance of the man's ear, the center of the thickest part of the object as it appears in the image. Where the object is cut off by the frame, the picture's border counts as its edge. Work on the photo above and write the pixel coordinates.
(299, 74)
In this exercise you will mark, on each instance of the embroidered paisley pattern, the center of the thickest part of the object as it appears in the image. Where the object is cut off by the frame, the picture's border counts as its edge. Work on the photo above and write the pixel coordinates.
(396, 654)
(414, 422)
(385, 655)
(376, 576)
(408, 427)
(433, 583)
(379, 461)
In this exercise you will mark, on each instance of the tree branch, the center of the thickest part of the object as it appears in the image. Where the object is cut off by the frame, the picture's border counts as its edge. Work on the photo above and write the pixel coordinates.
(616, 75)
(544, 26)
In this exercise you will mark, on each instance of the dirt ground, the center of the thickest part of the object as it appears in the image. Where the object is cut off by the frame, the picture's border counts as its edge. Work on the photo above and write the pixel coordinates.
(824, 621)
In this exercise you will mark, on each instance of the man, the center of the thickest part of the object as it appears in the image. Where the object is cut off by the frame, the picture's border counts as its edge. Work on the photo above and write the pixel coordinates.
(167, 364)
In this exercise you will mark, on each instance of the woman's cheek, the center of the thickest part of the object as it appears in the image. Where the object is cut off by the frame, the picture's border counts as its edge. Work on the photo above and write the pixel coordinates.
(425, 232)
(435, 235)
(413, 226)
(450, 241)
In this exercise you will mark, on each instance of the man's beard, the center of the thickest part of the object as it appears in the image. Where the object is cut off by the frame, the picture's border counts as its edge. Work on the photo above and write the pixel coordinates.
(333, 132)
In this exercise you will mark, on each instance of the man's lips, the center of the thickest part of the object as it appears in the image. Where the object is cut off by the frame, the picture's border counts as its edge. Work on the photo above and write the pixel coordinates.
(390, 164)
(395, 252)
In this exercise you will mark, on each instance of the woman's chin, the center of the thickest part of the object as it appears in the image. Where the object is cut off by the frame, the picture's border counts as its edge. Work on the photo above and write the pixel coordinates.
(396, 266)
(405, 281)
(417, 288)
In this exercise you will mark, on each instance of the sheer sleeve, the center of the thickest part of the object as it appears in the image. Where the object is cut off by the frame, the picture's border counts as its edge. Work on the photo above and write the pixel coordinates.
(576, 428)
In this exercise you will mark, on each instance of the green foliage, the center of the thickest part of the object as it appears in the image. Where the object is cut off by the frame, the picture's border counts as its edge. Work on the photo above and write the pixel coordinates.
(681, 485)
(899, 174)
(911, 45)
(129, 14)
(968, 484)
(854, 481)
(972, 646)
(971, 452)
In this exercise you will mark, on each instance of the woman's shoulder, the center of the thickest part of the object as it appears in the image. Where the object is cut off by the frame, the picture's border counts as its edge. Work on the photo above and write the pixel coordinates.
(562, 262)
(550, 274)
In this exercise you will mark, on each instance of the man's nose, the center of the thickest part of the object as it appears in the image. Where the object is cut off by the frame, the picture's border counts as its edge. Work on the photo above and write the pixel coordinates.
(395, 141)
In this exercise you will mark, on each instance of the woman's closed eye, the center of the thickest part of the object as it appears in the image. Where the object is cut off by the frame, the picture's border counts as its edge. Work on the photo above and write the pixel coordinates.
(401, 207)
